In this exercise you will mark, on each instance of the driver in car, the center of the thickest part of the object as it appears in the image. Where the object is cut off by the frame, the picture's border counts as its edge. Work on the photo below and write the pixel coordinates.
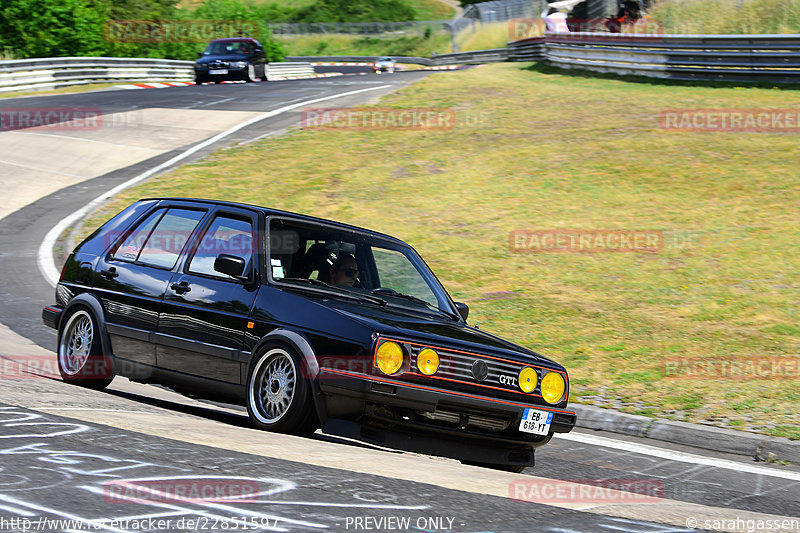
(344, 271)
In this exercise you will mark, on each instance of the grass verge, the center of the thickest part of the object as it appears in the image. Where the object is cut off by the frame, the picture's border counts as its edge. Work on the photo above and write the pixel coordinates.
(484, 37)
(726, 17)
(537, 151)
(345, 45)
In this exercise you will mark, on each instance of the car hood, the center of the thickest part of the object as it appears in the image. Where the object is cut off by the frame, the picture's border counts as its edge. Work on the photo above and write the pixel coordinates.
(437, 330)
(212, 59)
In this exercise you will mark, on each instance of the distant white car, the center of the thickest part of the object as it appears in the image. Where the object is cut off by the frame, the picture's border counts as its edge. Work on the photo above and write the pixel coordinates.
(383, 64)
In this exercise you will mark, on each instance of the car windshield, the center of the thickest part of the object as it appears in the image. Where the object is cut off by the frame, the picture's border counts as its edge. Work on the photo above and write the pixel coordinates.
(353, 264)
(385, 59)
(229, 48)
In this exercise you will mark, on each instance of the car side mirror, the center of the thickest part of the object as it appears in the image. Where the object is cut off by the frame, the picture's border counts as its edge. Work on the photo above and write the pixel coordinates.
(463, 310)
(258, 50)
(199, 54)
(230, 265)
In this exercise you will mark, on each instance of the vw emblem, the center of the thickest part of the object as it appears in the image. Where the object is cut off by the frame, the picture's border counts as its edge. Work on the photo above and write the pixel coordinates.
(480, 370)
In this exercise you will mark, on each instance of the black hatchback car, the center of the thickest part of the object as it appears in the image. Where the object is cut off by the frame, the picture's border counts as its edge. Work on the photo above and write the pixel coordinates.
(233, 59)
(308, 323)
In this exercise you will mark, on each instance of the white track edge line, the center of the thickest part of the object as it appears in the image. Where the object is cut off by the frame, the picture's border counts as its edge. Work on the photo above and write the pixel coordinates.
(45, 259)
(673, 455)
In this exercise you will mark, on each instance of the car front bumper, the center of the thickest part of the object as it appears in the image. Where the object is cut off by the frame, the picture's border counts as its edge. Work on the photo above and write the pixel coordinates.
(370, 400)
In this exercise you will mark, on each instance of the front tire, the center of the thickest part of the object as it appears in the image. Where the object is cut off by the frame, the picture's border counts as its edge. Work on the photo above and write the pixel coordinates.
(278, 393)
(80, 358)
(250, 75)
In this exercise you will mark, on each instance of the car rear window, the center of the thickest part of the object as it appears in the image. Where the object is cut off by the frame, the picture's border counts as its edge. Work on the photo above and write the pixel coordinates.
(159, 239)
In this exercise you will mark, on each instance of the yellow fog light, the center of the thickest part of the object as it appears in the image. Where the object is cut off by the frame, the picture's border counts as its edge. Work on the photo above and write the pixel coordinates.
(528, 379)
(389, 357)
(553, 387)
(428, 361)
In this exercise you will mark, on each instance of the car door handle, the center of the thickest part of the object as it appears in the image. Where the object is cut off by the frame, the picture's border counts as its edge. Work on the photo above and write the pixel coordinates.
(181, 287)
(111, 273)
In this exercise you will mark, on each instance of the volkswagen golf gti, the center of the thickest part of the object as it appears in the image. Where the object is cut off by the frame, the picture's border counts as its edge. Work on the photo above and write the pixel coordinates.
(309, 323)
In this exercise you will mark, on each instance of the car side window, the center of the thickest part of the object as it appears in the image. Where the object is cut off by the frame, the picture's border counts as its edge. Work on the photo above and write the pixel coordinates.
(225, 235)
(160, 238)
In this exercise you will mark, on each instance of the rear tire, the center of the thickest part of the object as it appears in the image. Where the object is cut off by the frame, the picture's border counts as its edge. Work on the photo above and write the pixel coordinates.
(80, 356)
(278, 392)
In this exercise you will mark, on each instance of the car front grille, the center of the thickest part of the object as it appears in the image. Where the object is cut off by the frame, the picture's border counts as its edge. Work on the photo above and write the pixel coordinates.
(481, 370)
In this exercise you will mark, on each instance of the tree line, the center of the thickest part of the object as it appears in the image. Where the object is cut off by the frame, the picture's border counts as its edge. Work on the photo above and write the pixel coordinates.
(162, 28)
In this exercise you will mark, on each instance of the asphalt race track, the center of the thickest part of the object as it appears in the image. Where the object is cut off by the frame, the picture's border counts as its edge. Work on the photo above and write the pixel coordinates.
(137, 457)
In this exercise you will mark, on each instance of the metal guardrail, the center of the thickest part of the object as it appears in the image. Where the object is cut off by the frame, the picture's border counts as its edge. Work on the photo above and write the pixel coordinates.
(531, 49)
(361, 59)
(730, 58)
(463, 58)
(52, 73)
(278, 71)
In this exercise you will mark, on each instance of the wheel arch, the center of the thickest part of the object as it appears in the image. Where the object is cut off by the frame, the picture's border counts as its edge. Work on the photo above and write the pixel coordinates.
(303, 347)
(91, 302)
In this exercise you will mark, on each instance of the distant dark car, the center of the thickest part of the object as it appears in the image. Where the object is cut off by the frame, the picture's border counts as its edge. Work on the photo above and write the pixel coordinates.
(236, 59)
(305, 321)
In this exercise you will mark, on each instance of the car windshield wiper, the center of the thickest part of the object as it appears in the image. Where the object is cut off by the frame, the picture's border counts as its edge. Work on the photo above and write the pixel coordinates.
(391, 292)
(339, 290)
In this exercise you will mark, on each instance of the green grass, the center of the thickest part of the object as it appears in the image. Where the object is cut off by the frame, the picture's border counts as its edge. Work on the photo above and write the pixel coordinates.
(790, 432)
(326, 45)
(425, 9)
(484, 37)
(432, 10)
(727, 16)
(534, 150)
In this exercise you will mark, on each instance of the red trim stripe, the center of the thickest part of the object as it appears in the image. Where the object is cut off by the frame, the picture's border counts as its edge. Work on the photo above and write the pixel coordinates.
(415, 386)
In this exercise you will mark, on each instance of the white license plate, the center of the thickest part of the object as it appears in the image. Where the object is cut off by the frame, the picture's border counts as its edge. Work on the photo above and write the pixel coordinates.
(535, 421)
(219, 71)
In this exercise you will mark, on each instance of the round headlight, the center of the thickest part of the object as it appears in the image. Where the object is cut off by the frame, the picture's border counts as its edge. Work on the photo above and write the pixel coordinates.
(389, 357)
(428, 361)
(528, 379)
(553, 387)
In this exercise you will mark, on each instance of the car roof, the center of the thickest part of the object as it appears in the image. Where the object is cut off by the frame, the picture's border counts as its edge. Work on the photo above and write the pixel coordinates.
(267, 211)
(235, 40)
